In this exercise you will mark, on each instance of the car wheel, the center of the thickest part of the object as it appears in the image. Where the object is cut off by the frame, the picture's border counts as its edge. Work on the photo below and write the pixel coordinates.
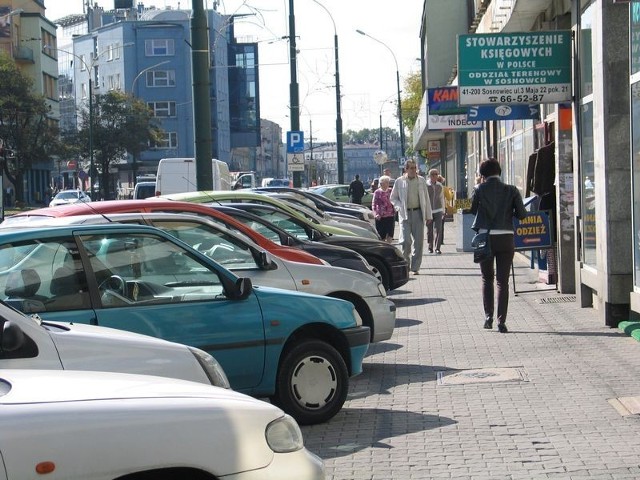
(312, 383)
(382, 270)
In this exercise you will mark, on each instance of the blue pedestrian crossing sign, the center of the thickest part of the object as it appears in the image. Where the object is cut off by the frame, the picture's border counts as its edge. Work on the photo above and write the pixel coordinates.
(295, 141)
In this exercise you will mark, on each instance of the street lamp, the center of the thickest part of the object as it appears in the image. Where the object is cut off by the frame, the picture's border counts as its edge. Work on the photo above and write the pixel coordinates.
(89, 68)
(338, 100)
(398, 87)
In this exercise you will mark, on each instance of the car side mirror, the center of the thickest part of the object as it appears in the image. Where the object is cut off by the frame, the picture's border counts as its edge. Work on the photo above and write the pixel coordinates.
(264, 262)
(12, 337)
(243, 288)
(316, 235)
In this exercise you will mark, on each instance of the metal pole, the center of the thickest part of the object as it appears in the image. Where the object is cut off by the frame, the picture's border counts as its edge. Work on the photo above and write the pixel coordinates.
(201, 97)
(339, 143)
(294, 96)
(91, 135)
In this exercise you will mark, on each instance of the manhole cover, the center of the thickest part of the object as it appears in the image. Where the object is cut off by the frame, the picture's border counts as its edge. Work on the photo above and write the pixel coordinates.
(483, 375)
(566, 299)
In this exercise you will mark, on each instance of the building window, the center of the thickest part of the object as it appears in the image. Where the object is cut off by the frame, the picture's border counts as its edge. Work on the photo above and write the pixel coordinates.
(83, 63)
(161, 78)
(159, 47)
(163, 109)
(49, 86)
(587, 180)
(48, 42)
(166, 140)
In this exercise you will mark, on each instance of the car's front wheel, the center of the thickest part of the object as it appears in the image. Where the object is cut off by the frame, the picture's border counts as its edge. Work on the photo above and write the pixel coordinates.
(312, 383)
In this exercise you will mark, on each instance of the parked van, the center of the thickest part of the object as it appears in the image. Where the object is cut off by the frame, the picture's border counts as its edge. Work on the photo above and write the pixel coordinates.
(245, 180)
(178, 175)
(144, 190)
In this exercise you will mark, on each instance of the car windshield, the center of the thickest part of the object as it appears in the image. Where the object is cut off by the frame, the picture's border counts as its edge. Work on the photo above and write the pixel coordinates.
(68, 195)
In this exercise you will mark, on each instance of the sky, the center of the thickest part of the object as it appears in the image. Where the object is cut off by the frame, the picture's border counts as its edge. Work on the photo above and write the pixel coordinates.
(368, 84)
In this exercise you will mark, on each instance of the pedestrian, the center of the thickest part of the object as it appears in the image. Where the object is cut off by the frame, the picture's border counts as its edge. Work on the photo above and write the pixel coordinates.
(374, 185)
(410, 197)
(494, 205)
(383, 210)
(436, 195)
(356, 190)
(448, 203)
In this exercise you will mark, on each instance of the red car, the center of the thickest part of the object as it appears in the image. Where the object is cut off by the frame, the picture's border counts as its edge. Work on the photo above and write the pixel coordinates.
(166, 206)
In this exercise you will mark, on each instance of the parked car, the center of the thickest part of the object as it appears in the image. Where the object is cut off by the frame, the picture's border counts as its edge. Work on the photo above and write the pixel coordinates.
(333, 254)
(339, 194)
(141, 279)
(326, 204)
(384, 257)
(243, 257)
(160, 205)
(216, 197)
(361, 228)
(75, 425)
(29, 342)
(66, 197)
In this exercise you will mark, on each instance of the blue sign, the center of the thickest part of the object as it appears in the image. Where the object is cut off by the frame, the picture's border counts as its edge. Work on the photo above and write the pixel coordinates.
(444, 101)
(503, 112)
(533, 231)
(295, 141)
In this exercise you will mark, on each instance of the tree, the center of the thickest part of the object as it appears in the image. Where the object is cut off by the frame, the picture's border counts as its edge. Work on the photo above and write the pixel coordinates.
(411, 101)
(121, 124)
(27, 134)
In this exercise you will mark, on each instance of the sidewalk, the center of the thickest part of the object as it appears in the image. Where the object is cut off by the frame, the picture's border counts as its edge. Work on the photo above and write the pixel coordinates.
(444, 398)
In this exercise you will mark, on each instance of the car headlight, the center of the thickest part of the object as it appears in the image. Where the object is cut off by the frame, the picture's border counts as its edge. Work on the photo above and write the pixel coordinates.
(283, 435)
(211, 367)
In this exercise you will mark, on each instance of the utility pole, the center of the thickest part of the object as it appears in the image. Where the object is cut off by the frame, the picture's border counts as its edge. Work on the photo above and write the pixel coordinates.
(294, 96)
(201, 97)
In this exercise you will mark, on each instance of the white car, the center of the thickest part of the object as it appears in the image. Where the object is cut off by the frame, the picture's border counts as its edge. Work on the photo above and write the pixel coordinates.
(28, 342)
(75, 425)
(66, 197)
(242, 256)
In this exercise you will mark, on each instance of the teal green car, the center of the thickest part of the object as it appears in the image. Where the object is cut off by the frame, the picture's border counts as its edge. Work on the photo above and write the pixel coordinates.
(298, 349)
(241, 196)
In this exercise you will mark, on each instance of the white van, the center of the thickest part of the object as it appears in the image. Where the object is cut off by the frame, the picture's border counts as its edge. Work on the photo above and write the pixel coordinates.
(178, 175)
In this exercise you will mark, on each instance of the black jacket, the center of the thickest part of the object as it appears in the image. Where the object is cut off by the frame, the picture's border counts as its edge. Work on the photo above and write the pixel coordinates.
(495, 204)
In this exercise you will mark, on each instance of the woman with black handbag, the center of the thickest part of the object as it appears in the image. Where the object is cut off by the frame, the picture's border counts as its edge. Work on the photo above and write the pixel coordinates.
(494, 204)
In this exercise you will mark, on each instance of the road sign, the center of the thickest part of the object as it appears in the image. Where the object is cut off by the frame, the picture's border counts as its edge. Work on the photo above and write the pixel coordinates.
(514, 68)
(295, 141)
(295, 162)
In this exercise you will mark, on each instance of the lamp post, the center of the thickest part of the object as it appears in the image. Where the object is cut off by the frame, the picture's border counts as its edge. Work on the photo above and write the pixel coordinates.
(339, 145)
(398, 87)
(89, 68)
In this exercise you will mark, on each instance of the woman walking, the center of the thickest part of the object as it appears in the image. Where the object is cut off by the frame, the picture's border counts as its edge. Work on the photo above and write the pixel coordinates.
(383, 209)
(495, 204)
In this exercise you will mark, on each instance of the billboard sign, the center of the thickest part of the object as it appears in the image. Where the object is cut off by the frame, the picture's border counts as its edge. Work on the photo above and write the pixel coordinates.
(458, 123)
(533, 231)
(514, 68)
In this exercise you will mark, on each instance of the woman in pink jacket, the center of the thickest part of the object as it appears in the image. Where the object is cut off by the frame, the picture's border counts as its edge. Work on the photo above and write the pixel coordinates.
(383, 209)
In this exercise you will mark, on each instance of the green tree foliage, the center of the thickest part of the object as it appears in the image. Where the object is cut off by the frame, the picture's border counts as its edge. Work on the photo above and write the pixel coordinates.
(411, 101)
(121, 124)
(27, 134)
(368, 135)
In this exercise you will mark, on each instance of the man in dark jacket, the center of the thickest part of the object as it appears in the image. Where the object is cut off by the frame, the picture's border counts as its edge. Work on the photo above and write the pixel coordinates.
(494, 205)
(356, 190)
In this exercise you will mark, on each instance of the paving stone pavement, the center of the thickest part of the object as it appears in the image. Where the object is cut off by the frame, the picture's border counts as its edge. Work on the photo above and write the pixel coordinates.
(550, 419)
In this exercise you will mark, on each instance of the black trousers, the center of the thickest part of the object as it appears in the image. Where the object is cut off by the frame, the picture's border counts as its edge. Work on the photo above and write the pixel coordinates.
(502, 249)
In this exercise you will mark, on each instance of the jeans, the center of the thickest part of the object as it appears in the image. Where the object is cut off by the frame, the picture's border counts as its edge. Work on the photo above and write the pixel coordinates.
(502, 249)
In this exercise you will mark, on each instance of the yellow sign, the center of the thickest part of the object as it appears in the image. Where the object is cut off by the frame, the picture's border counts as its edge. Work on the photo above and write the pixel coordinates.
(462, 203)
